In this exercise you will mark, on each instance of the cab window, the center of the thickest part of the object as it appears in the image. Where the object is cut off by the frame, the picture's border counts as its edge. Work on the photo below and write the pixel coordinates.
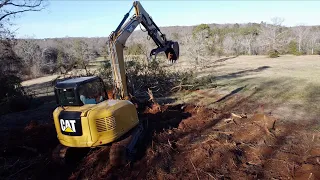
(66, 97)
(92, 92)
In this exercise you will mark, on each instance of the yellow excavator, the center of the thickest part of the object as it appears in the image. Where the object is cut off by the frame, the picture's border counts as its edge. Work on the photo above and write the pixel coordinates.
(85, 117)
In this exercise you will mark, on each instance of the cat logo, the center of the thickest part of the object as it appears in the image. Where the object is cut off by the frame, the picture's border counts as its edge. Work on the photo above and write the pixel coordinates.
(68, 125)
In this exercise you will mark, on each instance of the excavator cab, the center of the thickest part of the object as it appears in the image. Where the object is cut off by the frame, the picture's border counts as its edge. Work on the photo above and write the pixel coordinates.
(80, 91)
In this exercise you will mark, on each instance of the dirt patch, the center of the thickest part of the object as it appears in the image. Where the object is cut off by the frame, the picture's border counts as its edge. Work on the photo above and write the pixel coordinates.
(25, 152)
(182, 142)
(213, 144)
(189, 142)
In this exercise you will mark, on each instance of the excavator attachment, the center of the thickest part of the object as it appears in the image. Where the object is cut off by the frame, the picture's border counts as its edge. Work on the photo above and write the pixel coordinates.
(171, 50)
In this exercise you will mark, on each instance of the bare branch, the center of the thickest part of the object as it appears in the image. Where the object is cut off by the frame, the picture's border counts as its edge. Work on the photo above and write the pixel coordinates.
(277, 21)
(23, 7)
(4, 3)
(16, 12)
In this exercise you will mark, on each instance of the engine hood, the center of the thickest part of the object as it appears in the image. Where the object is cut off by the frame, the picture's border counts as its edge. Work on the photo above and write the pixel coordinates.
(108, 104)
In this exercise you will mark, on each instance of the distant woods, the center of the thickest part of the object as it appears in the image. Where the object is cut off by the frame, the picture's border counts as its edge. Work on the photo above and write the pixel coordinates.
(59, 55)
(12, 64)
(254, 39)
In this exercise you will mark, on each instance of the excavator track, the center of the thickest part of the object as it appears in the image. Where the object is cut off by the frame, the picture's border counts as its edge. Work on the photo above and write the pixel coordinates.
(123, 151)
(59, 154)
(64, 155)
(118, 152)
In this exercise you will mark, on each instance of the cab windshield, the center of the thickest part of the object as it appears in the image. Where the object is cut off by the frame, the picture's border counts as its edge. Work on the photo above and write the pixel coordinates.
(92, 92)
(66, 97)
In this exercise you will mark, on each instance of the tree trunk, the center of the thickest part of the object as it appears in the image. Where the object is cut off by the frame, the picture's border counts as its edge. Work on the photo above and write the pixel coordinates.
(312, 51)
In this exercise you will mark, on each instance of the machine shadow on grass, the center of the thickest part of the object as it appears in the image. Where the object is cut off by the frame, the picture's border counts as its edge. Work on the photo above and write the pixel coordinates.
(242, 73)
(231, 93)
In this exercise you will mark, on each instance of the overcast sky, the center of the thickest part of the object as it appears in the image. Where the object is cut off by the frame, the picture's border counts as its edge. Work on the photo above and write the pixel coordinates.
(98, 18)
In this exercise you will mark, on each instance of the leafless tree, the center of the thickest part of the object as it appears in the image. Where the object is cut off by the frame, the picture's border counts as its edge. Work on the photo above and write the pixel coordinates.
(49, 60)
(249, 35)
(228, 45)
(65, 62)
(30, 52)
(301, 32)
(237, 43)
(82, 55)
(272, 35)
(199, 43)
(313, 40)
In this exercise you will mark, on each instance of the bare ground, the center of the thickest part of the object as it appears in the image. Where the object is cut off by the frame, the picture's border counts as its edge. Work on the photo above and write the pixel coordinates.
(183, 142)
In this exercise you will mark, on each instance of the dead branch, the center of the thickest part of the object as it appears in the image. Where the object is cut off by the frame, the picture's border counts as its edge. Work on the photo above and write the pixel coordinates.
(180, 87)
(22, 169)
(236, 115)
(28, 149)
(26, 7)
(151, 98)
(4, 3)
(195, 169)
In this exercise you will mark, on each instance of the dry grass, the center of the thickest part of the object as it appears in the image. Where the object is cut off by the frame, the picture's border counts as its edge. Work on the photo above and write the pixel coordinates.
(287, 87)
(39, 80)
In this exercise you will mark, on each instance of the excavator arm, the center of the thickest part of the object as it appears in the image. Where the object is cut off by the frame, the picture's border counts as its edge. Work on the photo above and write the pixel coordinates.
(118, 38)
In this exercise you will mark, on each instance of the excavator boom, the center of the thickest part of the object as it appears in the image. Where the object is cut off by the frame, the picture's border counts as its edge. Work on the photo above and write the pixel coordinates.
(118, 38)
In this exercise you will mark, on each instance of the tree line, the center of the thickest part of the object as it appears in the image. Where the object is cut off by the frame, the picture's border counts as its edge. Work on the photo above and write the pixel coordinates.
(58, 55)
(51, 56)
(253, 39)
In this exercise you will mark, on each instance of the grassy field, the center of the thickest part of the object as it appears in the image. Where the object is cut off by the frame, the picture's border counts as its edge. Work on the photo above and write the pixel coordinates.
(287, 87)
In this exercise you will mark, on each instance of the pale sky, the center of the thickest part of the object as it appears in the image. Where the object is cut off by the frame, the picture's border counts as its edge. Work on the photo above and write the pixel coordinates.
(85, 18)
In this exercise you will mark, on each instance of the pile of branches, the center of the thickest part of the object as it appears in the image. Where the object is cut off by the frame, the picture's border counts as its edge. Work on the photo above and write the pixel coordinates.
(143, 77)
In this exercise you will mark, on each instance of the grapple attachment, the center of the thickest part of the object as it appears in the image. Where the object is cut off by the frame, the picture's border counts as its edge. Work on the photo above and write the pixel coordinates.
(171, 50)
